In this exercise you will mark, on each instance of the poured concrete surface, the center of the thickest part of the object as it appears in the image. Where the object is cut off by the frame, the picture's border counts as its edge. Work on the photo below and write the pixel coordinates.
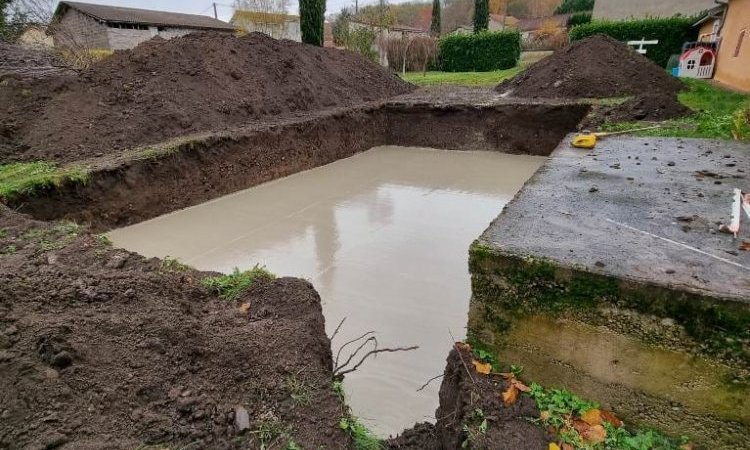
(637, 208)
(383, 236)
(607, 275)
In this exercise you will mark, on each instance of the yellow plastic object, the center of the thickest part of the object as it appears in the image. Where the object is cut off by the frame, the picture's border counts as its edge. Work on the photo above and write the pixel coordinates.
(584, 141)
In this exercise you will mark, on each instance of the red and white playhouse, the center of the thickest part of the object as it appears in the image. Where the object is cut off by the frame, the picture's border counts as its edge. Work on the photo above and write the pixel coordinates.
(697, 62)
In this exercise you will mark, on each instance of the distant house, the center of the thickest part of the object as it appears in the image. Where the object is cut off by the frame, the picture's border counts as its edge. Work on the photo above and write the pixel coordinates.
(84, 25)
(726, 30)
(530, 26)
(639, 9)
(276, 25)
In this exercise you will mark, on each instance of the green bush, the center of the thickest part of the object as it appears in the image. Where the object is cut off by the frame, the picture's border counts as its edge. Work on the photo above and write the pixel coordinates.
(579, 19)
(671, 34)
(572, 6)
(480, 52)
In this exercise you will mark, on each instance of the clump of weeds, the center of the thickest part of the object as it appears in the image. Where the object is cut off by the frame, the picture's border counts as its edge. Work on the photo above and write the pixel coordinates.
(231, 286)
(581, 425)
(362, 437)
(169, 264)
(299, 390)
(474, 427)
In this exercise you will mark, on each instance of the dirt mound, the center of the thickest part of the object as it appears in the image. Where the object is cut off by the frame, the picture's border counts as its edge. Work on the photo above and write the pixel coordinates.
(165, 89)
(29, 63)
(103, 349)
(462, 396)
(596, 67)
(652, 107)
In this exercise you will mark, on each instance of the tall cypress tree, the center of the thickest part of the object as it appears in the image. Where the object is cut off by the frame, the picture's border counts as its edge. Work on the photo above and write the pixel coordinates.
(311, 21)
(435, 25)
(481, 15)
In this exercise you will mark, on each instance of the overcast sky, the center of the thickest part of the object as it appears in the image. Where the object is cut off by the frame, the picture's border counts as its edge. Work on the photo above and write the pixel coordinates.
(224, 7)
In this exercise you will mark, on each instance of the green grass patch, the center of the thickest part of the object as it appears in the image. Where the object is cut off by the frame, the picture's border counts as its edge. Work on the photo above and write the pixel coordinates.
(29, 177)
(362, 437)
(231, 286)
(461, 78)
(719, 114)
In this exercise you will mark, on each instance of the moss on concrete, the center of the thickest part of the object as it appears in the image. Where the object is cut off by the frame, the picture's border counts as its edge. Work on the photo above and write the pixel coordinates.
(505, 286)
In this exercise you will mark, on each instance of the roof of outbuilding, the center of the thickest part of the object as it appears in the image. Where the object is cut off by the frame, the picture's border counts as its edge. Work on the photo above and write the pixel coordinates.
(119, 14)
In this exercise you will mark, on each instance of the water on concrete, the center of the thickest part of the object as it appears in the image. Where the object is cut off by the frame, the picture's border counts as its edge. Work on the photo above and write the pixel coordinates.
(383, 236)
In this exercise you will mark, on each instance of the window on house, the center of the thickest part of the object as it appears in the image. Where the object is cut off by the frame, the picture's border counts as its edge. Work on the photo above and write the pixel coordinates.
(691, 64)
(739, 43)
(127, 26)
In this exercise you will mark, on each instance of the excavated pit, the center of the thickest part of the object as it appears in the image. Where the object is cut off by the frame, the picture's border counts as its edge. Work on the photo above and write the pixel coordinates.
(147, 182)
(382, 235)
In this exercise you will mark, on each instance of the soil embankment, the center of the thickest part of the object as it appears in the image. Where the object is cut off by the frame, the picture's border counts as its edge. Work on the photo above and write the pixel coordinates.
(103, 349)
(601, 67)
(164, 89)
(472, 415)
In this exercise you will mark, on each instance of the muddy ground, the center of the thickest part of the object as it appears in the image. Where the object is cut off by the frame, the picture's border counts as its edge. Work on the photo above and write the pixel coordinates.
(466, 399)
(103, 349)
(165, 89)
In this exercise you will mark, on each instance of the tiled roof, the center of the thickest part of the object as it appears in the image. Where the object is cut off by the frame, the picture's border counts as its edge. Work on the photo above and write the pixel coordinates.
(119, 14)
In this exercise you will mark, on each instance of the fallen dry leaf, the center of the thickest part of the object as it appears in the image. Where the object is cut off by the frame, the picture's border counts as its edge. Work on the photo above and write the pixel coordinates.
(592, 417)
(553, 446)
(520, 386)
(610, 417)
(567, 446)
(510, 395)
(745, 246)
(545, 415)
(483, 368)
(245, 307)
(590, 433)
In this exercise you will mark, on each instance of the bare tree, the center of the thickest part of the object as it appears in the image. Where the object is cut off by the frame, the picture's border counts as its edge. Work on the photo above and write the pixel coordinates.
(35, 11)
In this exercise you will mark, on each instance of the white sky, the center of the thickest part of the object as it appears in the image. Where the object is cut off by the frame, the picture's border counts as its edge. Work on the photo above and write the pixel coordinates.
(224, 7)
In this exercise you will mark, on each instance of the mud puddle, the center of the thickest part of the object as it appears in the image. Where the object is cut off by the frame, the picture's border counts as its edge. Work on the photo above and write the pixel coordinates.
(383, 236)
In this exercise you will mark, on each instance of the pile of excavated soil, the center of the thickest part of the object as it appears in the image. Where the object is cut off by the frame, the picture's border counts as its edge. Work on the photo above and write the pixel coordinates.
(461, 394)
(25, 63)
(601, 67)
(165, 89)
(103, 349)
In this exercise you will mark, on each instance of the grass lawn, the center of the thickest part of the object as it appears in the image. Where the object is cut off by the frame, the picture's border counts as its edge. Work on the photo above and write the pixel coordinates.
(719, 114)
(460, 78)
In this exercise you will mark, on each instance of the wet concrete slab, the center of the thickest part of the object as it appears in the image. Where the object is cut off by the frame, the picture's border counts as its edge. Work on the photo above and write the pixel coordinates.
(383, 236)
(646, 209)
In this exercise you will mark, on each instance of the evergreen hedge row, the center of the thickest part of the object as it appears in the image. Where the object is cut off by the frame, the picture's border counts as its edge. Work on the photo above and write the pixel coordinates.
(480, 52)
(671, 34)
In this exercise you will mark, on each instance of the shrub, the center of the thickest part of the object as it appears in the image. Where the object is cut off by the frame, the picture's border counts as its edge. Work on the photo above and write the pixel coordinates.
(361, 41)
(481, 15)
(579, 19)
(312, 16)
(671, 34)
(572, 6)
(480, 52)
(420, 53)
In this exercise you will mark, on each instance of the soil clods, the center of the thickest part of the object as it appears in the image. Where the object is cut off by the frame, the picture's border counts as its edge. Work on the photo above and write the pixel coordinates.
(602, 67)
(165, 89)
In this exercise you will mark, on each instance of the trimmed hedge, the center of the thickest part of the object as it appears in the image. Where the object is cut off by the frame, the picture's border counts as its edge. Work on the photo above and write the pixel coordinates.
(579, 19)
(480, 52)
(671, 33)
